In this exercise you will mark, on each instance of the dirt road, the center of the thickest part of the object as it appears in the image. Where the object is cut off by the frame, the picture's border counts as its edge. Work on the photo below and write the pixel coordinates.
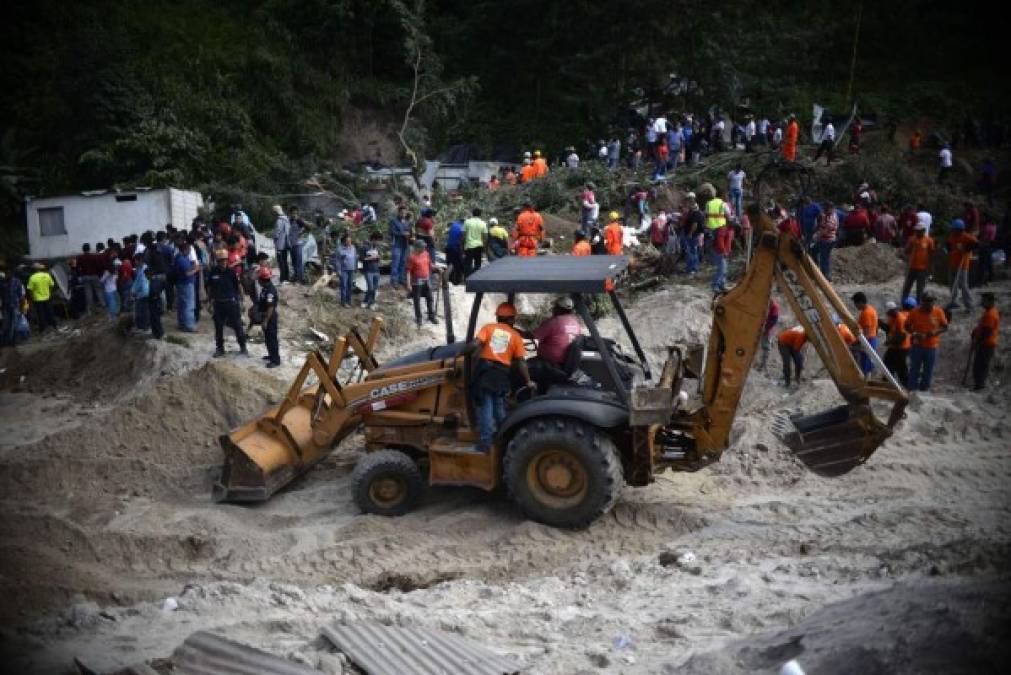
(708, 572)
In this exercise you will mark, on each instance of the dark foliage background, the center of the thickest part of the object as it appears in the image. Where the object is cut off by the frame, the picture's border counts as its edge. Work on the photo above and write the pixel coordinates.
(251, 96)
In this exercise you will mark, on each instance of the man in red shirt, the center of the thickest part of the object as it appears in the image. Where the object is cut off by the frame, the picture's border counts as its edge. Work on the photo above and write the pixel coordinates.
(907, 221)
(89, 268)
(856, 226)
(885, 227)
(419, 273)
(554, 337)
(722, 244)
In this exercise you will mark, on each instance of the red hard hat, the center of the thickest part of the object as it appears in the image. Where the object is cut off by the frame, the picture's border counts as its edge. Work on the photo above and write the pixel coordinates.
(505, 309)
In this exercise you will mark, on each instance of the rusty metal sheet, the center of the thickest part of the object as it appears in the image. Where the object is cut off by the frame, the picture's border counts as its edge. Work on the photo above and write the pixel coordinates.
(394, 650)
(205, 654)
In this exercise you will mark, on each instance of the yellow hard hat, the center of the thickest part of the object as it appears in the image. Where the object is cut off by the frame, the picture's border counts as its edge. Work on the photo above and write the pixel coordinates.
(537, 153)
(614, 215)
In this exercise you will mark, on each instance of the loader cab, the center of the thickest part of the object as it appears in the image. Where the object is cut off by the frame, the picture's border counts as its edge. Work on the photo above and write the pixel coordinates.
(600, 362)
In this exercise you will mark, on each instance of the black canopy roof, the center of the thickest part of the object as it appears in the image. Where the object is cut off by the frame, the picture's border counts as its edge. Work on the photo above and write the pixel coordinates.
(547, 274)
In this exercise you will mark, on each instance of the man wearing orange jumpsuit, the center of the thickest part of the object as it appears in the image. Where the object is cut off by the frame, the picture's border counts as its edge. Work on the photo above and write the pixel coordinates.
(614, 235)
(581, 247)
(529, 230)
(790, 140)
(528, 172)
(540, 165)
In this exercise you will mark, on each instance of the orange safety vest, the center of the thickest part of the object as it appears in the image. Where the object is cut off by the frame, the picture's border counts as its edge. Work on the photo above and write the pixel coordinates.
(528, 232)
(540, 167)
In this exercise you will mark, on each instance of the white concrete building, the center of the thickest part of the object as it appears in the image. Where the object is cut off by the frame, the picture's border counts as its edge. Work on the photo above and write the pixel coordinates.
(57, 226)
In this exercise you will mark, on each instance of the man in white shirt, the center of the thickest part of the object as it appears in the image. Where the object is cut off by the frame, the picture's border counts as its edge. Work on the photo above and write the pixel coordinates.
(735, 189)
(572, 161)
(827, 143)
(749, 134)
(945, 156)
(660, 127)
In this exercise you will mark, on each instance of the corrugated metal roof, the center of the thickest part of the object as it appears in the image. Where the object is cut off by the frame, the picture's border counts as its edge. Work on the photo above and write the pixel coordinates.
(393, 650)
(547, 274)
(205, 654)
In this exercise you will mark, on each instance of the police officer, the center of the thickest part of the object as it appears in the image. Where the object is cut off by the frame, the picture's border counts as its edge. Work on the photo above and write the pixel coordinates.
(266, 303)
(223, 297)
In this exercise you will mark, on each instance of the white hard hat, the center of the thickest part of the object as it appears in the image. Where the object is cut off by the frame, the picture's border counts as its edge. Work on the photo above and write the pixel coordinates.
(493, 221)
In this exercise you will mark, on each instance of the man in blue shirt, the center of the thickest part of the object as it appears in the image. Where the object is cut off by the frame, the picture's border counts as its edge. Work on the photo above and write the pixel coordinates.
(185, 277)
(399, 231)
(454, 251)
(809, 215)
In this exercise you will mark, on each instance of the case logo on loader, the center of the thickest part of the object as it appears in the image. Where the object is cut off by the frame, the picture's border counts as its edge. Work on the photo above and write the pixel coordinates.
(393, 394)
(810, 312)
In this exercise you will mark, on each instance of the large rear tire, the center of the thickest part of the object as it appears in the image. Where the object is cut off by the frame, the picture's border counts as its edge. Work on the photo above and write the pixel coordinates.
(386, 483)
(562, 472)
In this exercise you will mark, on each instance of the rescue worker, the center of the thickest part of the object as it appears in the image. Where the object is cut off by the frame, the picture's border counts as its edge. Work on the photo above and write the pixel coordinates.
(497, 347)
(540, 165)
(528, 172)
(614, 234)
(960, 245)
(40, 290)
(790, 139)
(717, 215)
(498, 240)
(919, 250)
(529, 230)
(223, 291)
(771, 319)
(581, 247)
(926, 323)
(898, 339)
(266, 303)
(867, 320)
(984, 341)
(791, 350)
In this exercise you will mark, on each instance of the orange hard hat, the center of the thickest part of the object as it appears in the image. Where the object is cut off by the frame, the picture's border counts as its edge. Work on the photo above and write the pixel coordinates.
(505, 309)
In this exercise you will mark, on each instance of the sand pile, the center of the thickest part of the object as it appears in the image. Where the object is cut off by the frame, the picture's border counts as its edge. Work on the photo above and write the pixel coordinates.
(867, 264)
(149, 442)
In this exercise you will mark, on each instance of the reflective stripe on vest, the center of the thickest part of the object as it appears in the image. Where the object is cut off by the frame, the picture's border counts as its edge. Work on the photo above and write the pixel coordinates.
(714, 214)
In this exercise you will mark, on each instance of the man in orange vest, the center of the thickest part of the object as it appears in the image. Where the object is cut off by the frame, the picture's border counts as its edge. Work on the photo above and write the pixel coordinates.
(614, 234)
(791, 350)
(926, 323)
(984, 340)
(867, 320)
(540, 165)
(528, 172)
(581, 247)
(899, 340)
(790, 140)
(960, 246)
(529, 230)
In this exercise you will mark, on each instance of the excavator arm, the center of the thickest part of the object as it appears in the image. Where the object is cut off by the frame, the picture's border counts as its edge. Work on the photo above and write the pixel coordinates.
(829, 443)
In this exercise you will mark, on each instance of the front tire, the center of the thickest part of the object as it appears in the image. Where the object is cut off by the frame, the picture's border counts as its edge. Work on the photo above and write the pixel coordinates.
(386, 483)
(562, 472)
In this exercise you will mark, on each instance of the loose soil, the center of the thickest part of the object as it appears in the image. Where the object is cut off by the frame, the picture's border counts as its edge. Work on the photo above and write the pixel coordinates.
(885, 569)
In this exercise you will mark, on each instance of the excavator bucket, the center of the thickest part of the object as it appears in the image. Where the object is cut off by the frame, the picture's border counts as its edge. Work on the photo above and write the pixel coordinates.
(267, 453)
(833, 442)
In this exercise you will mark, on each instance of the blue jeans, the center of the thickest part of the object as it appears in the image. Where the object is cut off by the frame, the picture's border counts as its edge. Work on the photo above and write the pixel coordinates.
(661, 169)
(866, 365)
(720, 275)
(491, 413)
(371, 287)
(297, 265)
(737, 201)
(824, 250)
(112, 303)
(921, 367)
(185, 307)
(347, 280)
(690, 246)
(398, 265)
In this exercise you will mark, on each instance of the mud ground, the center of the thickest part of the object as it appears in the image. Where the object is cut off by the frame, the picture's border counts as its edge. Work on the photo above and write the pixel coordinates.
(109, 449)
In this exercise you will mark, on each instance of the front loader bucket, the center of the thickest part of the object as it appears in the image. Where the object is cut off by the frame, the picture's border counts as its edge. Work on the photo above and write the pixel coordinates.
(264, 455)
(833, 442)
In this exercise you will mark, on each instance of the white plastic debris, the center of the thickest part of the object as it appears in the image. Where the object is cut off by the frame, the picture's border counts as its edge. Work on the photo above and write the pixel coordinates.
(686, 559)
(169, 605)
(791, 667)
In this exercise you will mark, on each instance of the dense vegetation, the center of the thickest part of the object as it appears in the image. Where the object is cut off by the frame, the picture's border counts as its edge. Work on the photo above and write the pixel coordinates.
(253, 95)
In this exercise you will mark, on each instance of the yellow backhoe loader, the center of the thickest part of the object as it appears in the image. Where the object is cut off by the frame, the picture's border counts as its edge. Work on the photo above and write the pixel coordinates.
(564, 454)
